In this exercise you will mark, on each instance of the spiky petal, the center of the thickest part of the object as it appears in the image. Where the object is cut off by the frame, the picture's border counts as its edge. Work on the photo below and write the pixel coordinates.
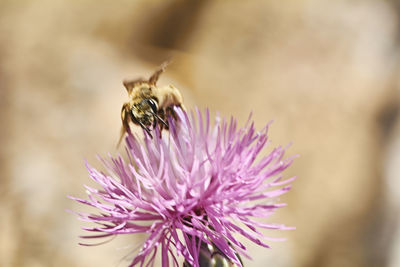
(193, 186)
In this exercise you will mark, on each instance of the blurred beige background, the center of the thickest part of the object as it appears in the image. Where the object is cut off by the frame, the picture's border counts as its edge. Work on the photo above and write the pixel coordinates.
(326, 72)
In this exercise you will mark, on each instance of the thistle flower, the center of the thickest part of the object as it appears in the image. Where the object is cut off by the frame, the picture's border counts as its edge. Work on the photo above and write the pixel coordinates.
(193, 189)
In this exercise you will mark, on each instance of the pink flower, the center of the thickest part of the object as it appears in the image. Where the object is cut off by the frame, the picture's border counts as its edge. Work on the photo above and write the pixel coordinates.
(194, 186)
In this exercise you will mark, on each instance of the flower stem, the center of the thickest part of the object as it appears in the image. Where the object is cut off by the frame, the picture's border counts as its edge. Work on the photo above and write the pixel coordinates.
(212, 256)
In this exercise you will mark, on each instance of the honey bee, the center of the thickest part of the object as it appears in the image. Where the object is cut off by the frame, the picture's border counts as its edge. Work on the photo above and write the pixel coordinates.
(149, 106)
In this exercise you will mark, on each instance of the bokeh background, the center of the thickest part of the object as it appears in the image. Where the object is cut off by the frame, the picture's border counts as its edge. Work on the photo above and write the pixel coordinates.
(327, 73)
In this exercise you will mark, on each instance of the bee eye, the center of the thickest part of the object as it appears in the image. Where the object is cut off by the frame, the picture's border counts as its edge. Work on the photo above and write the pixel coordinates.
(153, 105)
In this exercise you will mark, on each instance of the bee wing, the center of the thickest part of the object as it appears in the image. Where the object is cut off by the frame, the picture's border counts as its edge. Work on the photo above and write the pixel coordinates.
(154, 78)
(130, 84)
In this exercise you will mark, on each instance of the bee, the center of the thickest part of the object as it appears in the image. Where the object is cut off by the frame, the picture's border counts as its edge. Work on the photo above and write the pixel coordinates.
(149, 106)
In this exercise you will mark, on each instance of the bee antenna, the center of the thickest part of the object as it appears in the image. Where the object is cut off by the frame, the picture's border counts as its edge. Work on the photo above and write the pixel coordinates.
(145, 128)
(159, 118)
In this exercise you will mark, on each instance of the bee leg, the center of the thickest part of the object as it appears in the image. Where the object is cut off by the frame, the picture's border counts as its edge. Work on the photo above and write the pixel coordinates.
(154, 121)
(170, 112)
(181, 106)
(125, 122)
(121, 136)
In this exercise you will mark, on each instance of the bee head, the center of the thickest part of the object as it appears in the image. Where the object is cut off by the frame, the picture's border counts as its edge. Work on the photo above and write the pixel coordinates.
(143, 113)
